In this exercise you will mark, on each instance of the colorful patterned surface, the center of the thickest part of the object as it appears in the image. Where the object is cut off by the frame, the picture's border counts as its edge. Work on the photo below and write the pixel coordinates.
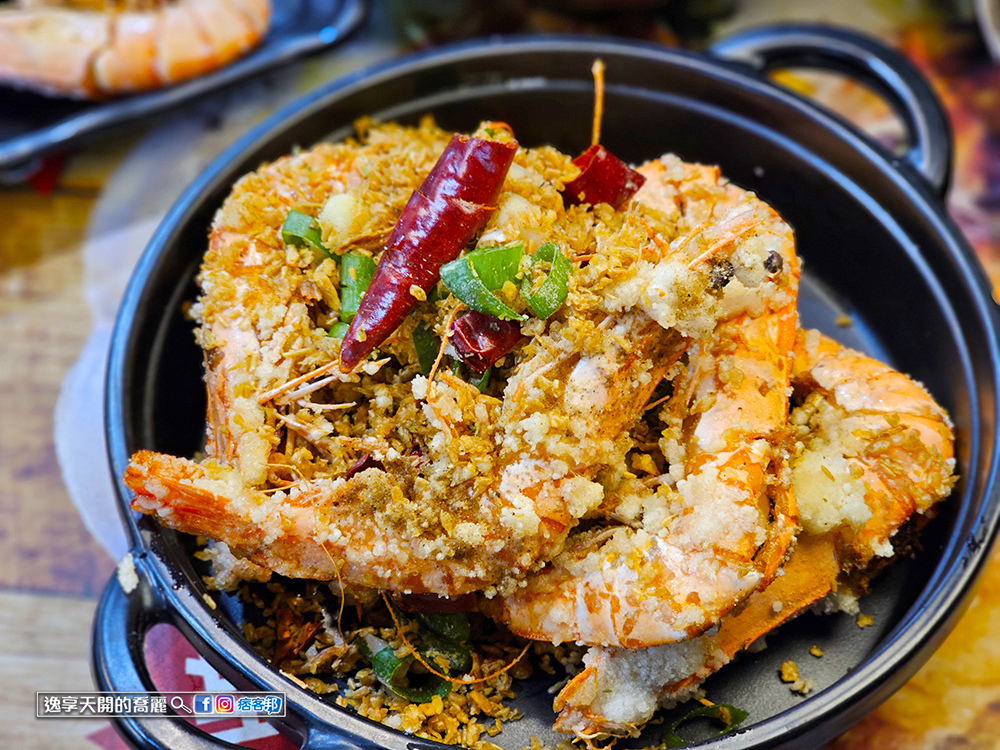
(52, 570)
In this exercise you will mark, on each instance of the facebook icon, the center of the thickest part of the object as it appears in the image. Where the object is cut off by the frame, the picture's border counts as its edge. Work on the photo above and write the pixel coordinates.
(203, 704)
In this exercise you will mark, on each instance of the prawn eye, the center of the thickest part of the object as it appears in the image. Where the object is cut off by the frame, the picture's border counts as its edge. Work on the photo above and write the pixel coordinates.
(773, 262)
(721, 273)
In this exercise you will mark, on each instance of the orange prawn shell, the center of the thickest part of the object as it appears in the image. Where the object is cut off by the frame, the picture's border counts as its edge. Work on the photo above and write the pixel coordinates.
(95, 53)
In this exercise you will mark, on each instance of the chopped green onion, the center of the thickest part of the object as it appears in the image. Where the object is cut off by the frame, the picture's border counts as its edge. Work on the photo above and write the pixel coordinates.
(729, 715)
(454, 626)
(446, 635)
(458, 656)
(392, 672)
(427, 345)
(356, 271)
(369, 645)
(495, 266)
(301, 230)
(463, 281)
(483, 381)
(553, 290)
(338, 330)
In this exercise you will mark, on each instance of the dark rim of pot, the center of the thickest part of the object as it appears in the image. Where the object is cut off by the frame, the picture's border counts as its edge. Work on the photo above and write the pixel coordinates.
(938, 605)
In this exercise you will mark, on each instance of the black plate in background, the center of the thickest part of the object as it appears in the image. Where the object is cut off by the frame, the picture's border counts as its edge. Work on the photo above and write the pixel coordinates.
(33, 124)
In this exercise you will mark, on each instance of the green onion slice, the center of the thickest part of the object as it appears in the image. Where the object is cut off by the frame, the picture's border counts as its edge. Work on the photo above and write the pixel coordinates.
(729, 715)
(458, 656)
(447, 636)
(301, 230)
(356, 271)
(454, 626)
(427, 345)
(393, 672)
(475, 276)
(495, 266)
(553, 290)
(338, 330)
(483, 381)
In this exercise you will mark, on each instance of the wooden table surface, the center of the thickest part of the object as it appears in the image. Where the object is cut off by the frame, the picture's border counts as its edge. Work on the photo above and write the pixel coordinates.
(52, 571)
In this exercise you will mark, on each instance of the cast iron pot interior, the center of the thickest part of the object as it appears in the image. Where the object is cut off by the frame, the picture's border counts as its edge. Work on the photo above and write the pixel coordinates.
(876, 246)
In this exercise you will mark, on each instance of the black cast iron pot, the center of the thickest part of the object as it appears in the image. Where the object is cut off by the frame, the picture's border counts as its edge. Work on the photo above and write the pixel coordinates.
(877, 246)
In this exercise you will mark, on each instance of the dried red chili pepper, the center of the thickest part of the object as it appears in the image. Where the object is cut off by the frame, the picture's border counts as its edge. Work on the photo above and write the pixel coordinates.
(603, 178)
(440, 218)
(480, 340)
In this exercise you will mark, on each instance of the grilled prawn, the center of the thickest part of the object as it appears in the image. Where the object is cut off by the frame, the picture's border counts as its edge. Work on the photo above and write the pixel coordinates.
(688, 546)
(870, 449)
(463, 490)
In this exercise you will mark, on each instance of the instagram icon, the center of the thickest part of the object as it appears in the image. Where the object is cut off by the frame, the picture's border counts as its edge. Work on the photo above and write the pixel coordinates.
(224, 704)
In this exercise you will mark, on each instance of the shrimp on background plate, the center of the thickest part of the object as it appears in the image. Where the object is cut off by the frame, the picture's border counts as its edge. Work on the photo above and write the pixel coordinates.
(96, 48)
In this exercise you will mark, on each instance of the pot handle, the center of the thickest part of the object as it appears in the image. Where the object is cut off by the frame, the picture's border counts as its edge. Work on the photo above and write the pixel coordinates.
(120, 626)
(867, 60)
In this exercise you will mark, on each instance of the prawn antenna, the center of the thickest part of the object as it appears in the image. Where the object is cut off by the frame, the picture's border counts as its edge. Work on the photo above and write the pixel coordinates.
(598, 71)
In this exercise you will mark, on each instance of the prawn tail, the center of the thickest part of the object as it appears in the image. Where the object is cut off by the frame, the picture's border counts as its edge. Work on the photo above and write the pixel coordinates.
(575, 715)
(622, 688)
(212, 500)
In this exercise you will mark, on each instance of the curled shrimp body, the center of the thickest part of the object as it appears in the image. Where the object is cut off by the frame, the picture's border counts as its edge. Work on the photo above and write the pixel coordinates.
(448, 512)
(285, 423)
(886, 448)
(872, 448)
(474, 488)
(691, 544)
(94, 48)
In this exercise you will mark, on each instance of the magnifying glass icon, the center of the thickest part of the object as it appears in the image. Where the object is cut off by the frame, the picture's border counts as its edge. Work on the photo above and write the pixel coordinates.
(177, 703)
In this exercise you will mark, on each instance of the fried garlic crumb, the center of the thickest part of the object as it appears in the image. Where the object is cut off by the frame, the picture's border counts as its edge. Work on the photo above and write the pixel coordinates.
(125, 572)
(789, 672)
(816, 651)
(865, 620)
(758, 645)
(802, 687)
(293, 678)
